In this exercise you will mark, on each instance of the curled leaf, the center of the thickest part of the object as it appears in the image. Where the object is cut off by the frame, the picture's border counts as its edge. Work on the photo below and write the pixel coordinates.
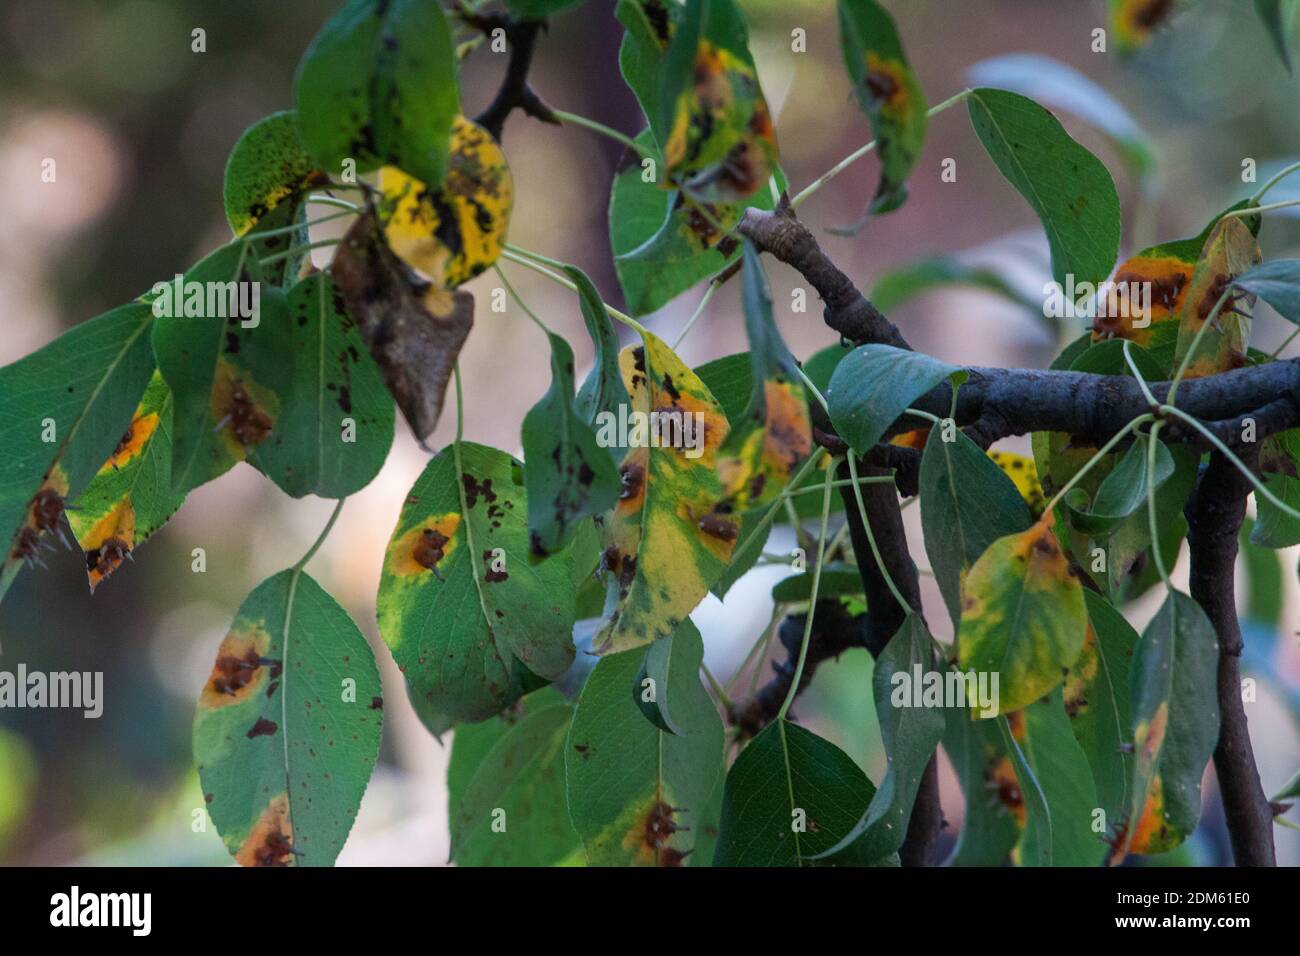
(414, 329)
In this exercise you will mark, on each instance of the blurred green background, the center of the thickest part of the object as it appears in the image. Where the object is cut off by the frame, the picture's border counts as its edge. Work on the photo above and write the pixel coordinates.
(140, 127)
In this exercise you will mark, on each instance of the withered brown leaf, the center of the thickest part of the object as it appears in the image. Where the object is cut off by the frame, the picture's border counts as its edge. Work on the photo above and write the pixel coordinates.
(414, 329)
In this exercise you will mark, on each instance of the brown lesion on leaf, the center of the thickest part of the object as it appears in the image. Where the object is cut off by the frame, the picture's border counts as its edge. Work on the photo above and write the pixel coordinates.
(270, 842)
(788, 438)
(632, 478)
(109, 541)
(44, 512)
(424, 547)
(1080, 675)
(886, 83)
(241, 667)
(262, 728)
(652, 832)
(1000, 780)
(1142, 17)
(1167, 277)
(244, 411)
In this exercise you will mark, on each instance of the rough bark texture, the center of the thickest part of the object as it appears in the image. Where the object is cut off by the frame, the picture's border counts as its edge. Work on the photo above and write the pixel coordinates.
(1214, 516)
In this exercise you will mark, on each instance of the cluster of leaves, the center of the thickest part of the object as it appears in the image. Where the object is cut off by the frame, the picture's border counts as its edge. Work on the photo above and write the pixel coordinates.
(495, 564)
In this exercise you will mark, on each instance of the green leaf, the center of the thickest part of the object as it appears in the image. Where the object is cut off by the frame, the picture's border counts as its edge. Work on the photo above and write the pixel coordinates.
(773, 436)
(568, 475)
(471, 743)
(1265, 593)
(670, 536)
(967, 503)
(1096, 697)
(1053, 766)
(519, 785)
(731, 381)
(287, 728)
(65, 409)
(1173, 680)
(1123, 491)
(637, 794)
(873, 385)
(1275, 528)
(664, 245)
(888, 92)
(603, 390)
(1276, 16)
(336, 416)
(894, 288)
(1069, 188)
(789, 797)
(268, 175)
(471, 621)
(1023, 616)
(1056, 84)
(910, 730)
(1278, 284)
(378, 86)
(1126, 543)
(225, 367)
(131, 496)
(837, 580)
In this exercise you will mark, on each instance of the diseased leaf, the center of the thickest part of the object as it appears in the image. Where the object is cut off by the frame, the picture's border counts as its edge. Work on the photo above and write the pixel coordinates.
(287, 728)
(873, 385)
(789, 797)
(414, 330)
(637, 794)
(910, 731)
(669, 538)
(1055, 84)
(967, 503)
(1069, 189)
(378, 86)
(1023, 616)
(473, 624)
(1175, 727)
(1051, 764)
(78, 392)
(1096, 697)
(268, 175)
(714, 127)
(1024, 475)
(1133, 22)
(131, 496)
(888, 92)
(1166, 270)
(223, 345)
(519, 785)
(568, 475)
(663, 245)
(995, 806)
(650, 25)
(452, 232)
(1230, 251)
(336, 416)
(774, 434)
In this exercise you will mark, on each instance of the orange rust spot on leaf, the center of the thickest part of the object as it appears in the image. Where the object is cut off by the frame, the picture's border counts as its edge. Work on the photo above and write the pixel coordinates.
(132, 442)
(1000, 778)
(886, 81)
(424, 547)
(916, 438)
(239, 670)
(270, 842)
(109, 541)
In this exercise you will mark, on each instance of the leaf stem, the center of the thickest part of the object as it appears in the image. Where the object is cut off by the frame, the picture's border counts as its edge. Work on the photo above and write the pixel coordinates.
(699, 310)
(566, 117)
(1255, 210)
(861, 151)
(812, 601)
(1154, 530)
(1260, 488)
(320, 539)
(535, 260)
(1281, 175)
(718, 689)
(871, 539)
(298, 250)
(520, 302)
